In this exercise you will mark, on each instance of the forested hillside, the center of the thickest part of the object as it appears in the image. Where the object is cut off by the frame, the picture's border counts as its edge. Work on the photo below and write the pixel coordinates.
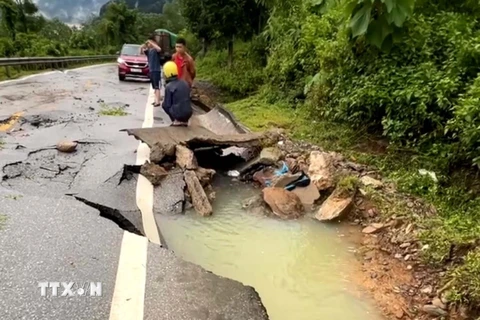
(393, 83)
(24, 32)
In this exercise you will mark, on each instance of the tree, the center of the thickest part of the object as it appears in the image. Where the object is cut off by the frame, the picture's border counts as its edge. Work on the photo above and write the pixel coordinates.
(25, 9)
(222, 20)
(9, 16)
(119, 23)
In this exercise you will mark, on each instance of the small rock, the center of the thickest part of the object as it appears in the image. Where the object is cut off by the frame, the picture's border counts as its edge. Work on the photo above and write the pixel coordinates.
(434, 310)
(398, 256)
(255, 205)
(438, 303)
(373, 228)
(427, 290)
(407, 257)
(405, 245)
(185, 158)
(399, 314)
(369, 181)
(409, 267)
(336, 206)
(67, 146)
(284, 204)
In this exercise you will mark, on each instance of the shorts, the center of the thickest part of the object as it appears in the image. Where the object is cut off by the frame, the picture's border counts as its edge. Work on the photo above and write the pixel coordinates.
(155, 79)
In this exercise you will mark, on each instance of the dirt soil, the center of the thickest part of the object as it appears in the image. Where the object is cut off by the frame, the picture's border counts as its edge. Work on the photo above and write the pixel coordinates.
(390, 267)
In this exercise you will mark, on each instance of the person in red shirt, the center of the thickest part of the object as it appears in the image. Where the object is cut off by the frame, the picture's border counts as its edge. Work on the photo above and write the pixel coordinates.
(184, 62)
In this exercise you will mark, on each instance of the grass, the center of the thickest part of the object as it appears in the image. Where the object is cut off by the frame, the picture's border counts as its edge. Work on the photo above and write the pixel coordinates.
(19, 72)
(2, 143)
(457, 222)
(106, 110)
(3, 220)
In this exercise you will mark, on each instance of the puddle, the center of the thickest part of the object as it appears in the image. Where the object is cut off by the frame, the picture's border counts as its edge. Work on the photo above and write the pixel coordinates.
(299, 268)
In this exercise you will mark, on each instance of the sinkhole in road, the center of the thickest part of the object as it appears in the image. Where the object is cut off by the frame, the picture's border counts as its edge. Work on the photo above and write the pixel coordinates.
(302, 269)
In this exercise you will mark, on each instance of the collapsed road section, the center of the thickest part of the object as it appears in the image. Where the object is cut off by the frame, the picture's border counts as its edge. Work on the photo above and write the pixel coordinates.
(213, 140)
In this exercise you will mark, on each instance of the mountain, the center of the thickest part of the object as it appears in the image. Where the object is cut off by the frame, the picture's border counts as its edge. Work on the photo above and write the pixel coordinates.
(77, 11)
(149, 6)
(71, 11)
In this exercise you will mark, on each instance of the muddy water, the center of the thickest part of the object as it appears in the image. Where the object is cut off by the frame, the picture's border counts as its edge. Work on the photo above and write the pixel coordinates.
(300, 268)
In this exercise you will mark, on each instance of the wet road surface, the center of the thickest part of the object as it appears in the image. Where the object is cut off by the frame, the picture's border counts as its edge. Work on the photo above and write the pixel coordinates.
(75, 217)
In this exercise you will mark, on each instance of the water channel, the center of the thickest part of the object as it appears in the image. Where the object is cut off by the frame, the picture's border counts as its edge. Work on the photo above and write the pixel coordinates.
(300, 268)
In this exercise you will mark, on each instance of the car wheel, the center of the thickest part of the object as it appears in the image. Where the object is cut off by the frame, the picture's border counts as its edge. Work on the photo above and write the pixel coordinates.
(121, 77)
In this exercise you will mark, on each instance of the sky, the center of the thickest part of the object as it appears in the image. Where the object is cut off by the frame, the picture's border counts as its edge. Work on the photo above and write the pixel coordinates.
(71, 11)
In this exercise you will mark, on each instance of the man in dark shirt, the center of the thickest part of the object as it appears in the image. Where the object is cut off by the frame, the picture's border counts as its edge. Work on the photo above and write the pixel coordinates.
(177, 102)
(154, 55)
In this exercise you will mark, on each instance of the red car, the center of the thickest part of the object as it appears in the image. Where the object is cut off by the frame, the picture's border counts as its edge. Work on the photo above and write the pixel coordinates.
(132, 63)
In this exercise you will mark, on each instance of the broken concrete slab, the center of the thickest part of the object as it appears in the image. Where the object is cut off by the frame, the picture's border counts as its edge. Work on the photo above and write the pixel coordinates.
(284, 204)
(169, 198)
(159, 151)
(153, 172)
(205, 176)
(185, 158)
(337, 206)
(199, 198)
(267, 157)
(194, 137)
(180, 290)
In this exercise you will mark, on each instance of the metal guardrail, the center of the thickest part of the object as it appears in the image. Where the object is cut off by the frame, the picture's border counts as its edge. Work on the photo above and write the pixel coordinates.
(51, 60)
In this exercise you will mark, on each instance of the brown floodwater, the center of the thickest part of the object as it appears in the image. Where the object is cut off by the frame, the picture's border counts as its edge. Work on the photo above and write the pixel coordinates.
(299, 268)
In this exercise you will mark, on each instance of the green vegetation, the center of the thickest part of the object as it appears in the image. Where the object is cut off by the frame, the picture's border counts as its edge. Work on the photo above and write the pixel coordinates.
(3, 220)
(112, 111)
(390, 83)
(25, 33)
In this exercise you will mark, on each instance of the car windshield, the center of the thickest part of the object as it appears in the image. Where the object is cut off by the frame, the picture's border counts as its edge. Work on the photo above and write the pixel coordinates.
(133, 50)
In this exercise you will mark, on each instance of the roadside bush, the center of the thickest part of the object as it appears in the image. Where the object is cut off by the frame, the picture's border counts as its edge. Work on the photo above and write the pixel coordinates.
(243, 77)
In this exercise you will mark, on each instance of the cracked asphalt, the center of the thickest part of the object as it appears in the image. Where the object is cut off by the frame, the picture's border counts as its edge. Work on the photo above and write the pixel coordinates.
(67, 217)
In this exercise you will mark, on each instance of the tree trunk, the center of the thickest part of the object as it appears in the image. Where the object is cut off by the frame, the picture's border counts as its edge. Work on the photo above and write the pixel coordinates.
(204, 47)
(230, 52)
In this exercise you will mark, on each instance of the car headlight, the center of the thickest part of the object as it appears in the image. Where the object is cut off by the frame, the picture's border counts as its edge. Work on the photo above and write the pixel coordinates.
(120, 60)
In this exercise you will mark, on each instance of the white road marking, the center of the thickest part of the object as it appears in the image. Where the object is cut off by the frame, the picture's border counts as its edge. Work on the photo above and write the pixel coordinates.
(29, 77)
(50, 72)
(129, 293)
(88, 67)
(144, 192)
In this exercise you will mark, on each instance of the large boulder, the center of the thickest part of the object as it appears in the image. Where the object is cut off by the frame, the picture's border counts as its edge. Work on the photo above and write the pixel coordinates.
(284, 204)
(185, 158)
(337, 206)
(199, 198)
(320, 170)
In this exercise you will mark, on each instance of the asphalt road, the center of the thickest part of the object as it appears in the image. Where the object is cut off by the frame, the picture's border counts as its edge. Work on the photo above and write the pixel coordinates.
(87, 216)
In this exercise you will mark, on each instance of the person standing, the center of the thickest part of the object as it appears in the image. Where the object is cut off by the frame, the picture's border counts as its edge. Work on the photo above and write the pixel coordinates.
(154, 56)
(184, 62)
